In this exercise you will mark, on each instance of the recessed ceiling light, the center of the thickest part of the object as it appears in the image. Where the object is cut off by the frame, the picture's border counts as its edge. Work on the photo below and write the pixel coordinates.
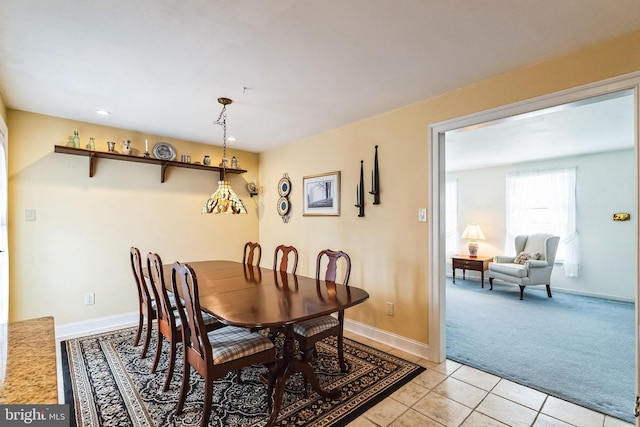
(102, 112)
(231, 138)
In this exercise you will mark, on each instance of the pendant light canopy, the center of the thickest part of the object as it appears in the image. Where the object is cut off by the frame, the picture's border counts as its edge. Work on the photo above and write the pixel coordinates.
(224, 200)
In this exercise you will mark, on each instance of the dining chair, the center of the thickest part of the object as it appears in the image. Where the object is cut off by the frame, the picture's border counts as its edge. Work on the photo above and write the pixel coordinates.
(252, 252)
(146, 302)
(283, 252)
(217, 352)
(168, 318)
(309, 332)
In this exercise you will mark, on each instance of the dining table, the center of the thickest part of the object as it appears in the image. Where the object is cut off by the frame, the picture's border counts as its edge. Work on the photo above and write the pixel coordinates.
(260, 298)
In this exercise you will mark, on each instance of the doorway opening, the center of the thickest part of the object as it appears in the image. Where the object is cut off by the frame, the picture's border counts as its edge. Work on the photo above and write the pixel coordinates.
(438, 267)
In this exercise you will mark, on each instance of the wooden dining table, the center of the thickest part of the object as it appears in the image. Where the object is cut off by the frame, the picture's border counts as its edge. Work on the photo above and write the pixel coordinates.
(255, 297)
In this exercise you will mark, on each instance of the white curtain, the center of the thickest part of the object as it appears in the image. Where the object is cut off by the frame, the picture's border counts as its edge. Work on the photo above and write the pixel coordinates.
(544, 201)
(451, 218)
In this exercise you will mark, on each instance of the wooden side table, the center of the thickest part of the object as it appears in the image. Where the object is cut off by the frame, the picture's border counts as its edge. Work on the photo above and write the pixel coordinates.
(466, 262)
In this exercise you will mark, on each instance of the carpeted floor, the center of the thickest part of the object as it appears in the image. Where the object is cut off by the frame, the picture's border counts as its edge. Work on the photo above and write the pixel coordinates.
(107, 384)
(577, 348)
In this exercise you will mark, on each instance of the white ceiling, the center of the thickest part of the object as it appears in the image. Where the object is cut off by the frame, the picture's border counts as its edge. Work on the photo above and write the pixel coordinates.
(598, 124)
(293, 68)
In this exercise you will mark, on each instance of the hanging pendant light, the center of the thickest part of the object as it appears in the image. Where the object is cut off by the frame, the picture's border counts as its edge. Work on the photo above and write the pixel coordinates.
(224, 200)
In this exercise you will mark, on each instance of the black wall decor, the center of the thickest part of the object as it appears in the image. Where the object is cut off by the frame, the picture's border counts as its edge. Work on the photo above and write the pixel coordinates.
(360, 191)
(375, 180)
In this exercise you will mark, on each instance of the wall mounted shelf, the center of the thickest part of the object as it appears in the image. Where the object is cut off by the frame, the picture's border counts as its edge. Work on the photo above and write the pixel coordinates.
(164, 164)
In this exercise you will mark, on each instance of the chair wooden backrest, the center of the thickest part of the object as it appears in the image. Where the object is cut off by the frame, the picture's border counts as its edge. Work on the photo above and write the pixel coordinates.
(168, 326)
(144, 296)
(284, 252)
(332, 265)
(147, 311)
(194, 336)
(252, 252)
(165, 313)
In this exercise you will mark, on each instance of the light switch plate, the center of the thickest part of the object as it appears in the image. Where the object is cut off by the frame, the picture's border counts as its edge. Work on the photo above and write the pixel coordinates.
(422, 215)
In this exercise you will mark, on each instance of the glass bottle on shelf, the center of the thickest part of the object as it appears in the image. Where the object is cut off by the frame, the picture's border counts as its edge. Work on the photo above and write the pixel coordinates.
(76, 139)
(92, 144)
(70, 142)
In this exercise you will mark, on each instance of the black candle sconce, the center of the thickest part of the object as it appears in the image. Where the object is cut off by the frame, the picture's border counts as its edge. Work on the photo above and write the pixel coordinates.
(360, 191)
(375, 180)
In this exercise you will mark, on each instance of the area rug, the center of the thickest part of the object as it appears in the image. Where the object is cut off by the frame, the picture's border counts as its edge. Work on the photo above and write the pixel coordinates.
(107, 384)
(577, 348)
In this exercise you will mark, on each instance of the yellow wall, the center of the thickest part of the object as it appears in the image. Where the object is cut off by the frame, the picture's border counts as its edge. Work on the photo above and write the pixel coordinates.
(85, 226)
(388, 246)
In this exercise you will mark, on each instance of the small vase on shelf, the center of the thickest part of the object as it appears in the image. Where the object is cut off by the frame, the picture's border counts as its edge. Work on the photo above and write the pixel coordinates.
(76, 139)
(126, 146)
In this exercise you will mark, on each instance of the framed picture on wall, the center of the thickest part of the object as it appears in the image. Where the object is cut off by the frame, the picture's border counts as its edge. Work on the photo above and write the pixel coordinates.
(321, 194)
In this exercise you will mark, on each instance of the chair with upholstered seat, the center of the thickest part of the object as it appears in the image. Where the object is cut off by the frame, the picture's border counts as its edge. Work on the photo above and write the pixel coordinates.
(309, 332)
(167, 317)
(218, 352)
(283, 252)
(252, 253)
(146, 302)
(531, 266)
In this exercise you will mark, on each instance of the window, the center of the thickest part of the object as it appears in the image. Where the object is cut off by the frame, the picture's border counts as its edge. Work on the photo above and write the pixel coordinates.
(544, 202)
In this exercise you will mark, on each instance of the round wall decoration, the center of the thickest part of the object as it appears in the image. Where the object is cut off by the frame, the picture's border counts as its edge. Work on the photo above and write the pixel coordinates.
(283, 206)
(284, 188)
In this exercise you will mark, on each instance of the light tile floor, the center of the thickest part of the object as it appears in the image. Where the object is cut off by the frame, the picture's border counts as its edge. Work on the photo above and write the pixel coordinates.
(451, 394)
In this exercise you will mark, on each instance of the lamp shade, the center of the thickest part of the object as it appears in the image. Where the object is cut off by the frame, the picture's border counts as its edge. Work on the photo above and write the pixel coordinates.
(224, 200)
(473, 232)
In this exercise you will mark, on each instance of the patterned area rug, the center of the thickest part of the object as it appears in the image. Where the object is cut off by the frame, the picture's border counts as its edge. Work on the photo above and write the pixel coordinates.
(108, 384)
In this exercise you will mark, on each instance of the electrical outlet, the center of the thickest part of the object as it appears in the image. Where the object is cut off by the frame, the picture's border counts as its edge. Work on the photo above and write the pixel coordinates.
(389, 309)
(89, 298)
(422, 215)
(29, 214)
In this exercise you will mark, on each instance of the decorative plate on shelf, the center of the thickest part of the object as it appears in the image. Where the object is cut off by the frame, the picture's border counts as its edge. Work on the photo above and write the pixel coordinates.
(164, 151)
(284, 186)
(283, 206)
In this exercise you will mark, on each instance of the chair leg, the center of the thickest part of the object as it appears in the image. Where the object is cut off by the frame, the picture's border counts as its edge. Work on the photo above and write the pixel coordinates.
(549, 291)
(172, 364)
(521, 291)
(136, 341)
(208, 396)
(158, 351)
(186, 373)
(147, 338)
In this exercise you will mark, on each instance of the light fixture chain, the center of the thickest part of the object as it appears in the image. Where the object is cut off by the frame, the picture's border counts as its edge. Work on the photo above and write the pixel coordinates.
(222, 120)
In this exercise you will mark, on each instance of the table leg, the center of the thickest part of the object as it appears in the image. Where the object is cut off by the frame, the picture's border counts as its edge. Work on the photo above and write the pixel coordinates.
(482, 279)
(289, 365)
(454, 273)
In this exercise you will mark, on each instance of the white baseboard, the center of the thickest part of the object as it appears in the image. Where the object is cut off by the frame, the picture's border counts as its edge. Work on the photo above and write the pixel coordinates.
(96, 326)
(388, 338)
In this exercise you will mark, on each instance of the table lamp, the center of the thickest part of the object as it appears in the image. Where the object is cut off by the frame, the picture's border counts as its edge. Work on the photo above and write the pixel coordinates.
(473, 232)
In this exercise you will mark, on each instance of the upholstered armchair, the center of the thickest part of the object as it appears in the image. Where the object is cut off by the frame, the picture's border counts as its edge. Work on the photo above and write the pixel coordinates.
(532, 265)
